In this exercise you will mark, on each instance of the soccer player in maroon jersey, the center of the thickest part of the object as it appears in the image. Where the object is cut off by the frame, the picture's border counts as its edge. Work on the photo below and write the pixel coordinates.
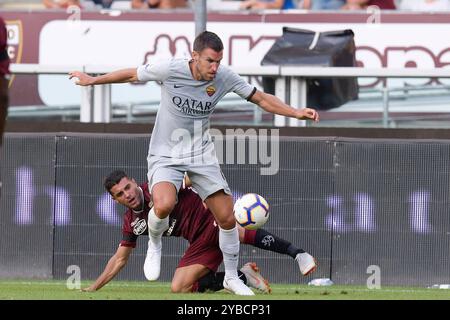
(4, 81)
(192, 220)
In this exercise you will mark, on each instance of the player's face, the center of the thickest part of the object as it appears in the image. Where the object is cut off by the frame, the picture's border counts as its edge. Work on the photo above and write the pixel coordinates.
(208, 62)
(127, 192)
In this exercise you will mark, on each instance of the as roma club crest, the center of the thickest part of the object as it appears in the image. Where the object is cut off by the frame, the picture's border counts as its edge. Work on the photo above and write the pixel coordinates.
(210, 90)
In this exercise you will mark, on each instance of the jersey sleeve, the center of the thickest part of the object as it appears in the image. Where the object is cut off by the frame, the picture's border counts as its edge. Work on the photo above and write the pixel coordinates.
(128, 240)
(156, 71)
(238, 85)
(128, 237)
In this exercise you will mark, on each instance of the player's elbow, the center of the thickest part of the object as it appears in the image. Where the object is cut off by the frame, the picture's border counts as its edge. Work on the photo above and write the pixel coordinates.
(133, 78)
(266, 107)
(263, 100)
(124, 76)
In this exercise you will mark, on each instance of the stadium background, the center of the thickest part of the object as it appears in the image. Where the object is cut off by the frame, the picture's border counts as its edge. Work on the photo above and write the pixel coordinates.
(352, 202)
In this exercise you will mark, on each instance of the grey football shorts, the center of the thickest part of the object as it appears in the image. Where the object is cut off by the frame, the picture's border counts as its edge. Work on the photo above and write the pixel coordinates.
(206, 177)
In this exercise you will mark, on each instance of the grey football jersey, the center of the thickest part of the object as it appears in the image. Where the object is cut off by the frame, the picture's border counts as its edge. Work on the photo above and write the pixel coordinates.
(182, 121)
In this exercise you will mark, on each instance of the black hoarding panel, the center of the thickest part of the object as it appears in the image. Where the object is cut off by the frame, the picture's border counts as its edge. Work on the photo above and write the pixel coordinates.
(26, 206)
(391, 213)
(365, 209)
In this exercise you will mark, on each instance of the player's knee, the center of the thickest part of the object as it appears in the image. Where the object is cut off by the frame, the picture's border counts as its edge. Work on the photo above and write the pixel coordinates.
(163, 205)
(164, 198)
(226, 222)
(163, 208)
(175, 288)
(179, 288)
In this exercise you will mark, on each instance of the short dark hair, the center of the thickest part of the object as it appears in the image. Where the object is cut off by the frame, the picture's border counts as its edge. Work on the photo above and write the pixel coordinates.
(208, 39)
(114, 178)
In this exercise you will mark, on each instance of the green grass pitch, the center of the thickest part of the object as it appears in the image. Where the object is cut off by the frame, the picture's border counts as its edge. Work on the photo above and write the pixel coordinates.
(133, 290)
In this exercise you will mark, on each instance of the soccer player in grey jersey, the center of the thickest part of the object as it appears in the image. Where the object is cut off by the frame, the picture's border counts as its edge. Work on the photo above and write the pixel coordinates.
(180, 142)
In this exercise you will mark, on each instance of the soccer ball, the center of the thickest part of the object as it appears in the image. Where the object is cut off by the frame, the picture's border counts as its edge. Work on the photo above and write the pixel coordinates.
(251, 211)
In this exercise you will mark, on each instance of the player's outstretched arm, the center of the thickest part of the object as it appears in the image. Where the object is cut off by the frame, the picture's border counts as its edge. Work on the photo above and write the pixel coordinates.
(115, 264)
(119, 76)
(272, 104)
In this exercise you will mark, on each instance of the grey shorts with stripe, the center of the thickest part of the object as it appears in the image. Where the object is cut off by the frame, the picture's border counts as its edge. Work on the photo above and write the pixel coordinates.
(206, 176)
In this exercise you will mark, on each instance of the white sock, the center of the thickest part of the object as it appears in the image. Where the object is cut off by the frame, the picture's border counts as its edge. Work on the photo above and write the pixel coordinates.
(229, 244)
(156, 227)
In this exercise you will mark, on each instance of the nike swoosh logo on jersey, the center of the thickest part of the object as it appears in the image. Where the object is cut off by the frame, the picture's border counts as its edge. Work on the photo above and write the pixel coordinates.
(177, 86)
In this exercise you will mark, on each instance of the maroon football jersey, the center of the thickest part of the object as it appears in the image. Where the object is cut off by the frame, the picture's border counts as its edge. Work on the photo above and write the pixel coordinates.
(189, 219)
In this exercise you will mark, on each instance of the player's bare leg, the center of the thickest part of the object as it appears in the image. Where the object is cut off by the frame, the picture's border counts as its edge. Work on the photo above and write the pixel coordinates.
(221, 205)
(185, 277)
(164, 196)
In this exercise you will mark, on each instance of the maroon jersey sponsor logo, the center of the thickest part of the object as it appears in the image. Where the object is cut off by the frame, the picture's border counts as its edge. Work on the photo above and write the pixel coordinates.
(139, 227)
(134, 222)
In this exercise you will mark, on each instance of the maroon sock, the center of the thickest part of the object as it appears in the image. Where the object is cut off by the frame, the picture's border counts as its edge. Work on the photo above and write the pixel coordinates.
(249, 237)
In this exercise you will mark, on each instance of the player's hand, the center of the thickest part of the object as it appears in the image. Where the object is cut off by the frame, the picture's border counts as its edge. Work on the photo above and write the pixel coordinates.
(308, 114)
(88, 289)
(80, 78)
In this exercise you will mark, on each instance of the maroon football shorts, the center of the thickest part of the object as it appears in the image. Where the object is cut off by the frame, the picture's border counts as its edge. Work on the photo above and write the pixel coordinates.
(204, 250)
